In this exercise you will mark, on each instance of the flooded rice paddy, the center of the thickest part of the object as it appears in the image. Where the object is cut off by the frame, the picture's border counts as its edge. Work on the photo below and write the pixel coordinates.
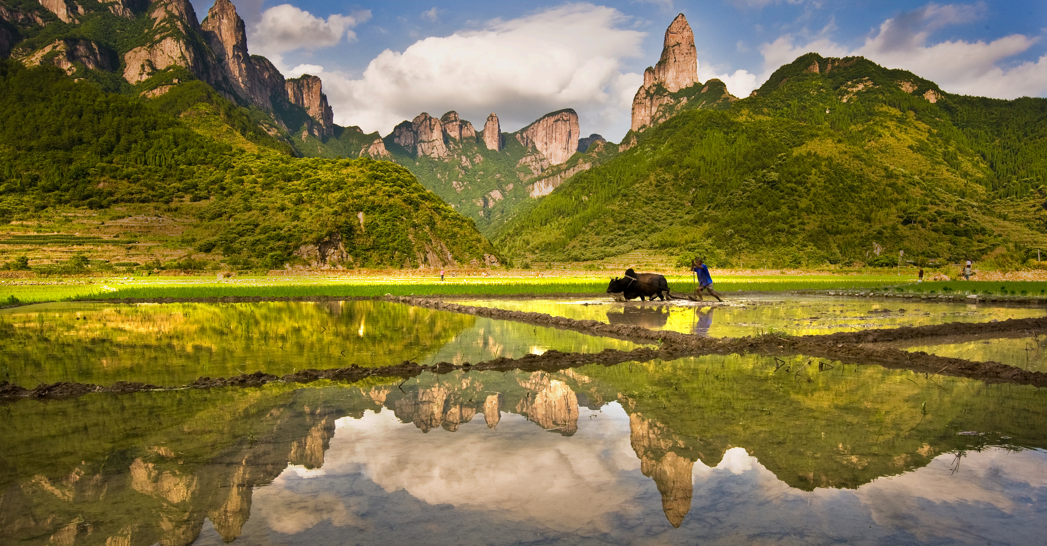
(711, 449)
(754, 315)
(1027, 353)
(173, 344)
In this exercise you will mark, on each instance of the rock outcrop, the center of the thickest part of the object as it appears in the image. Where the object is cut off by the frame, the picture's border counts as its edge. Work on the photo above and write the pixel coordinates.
(423, 136)
(376, 150)
(677, 69)
(493, 133)
(307, 92)
(254, 79)
(175, 19)
(61, 10)
(554, 135)
(456, 128)
(67, 53)
(585, 143)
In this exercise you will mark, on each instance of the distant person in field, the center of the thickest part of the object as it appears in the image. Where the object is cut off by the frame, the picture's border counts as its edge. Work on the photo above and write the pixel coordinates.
(967, 270)
(441, 274)
(705, 281)
(920, 275)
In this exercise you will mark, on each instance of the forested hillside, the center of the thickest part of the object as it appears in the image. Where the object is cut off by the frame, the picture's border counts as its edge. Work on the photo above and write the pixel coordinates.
(237, 195)
(833, 161)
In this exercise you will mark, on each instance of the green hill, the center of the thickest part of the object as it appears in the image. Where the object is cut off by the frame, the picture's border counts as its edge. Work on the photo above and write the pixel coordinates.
(206, 185)
(831, 161)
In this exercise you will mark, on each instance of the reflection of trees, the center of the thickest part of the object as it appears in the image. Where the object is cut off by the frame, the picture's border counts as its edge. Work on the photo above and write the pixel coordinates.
(174, 344)
(151, 467)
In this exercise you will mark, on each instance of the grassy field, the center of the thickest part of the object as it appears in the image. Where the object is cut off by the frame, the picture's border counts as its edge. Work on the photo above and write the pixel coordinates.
(986, 288)
(52, 289)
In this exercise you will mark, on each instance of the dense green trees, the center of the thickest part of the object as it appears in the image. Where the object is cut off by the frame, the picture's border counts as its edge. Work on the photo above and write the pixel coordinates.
(835, 166)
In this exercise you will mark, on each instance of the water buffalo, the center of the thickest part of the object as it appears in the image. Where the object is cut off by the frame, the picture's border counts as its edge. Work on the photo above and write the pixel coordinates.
(635, 285)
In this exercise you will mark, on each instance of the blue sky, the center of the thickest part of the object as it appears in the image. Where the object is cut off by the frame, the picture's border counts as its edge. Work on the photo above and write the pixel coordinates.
(383, 62)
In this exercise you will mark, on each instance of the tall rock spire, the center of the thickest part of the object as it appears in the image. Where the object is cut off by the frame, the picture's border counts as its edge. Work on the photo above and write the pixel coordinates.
(493, 133)
(308, 93)
(677, 69)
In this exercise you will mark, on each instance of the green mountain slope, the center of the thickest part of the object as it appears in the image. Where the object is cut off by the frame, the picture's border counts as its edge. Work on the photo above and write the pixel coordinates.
(832, 161)
(73, 157)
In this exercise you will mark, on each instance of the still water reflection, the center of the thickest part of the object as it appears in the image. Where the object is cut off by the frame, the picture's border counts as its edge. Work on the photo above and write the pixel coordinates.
(1027, 353)
(793, 315)
(722, 449)
(173, 344)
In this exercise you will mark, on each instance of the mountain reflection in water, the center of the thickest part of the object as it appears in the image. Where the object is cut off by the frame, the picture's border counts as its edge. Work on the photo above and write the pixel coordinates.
(713, 448)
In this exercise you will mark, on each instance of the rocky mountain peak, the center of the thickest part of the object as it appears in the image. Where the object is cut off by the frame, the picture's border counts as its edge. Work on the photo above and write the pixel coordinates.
(227, 36)
(422, 136)
(456, 128)
(585, 143)
(493, 133)
(307, 92)
(554, 135)
(676, 69)
(678, 66)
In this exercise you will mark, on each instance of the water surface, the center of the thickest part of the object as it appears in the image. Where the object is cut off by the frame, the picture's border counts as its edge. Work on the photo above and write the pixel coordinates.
(698, 450)
(756, 314)
(175, 343)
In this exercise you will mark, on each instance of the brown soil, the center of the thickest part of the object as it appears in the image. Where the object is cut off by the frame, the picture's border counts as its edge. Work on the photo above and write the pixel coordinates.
(847, 347)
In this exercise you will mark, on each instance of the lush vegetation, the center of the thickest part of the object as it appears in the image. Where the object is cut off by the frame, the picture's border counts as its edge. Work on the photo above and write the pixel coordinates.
(69, 143)
(799, 176)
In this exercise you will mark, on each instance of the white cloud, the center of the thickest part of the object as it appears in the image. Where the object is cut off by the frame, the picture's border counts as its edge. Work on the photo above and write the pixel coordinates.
(311, 69)
(565, 57)
(286, 28)
(430, 15)
(972, 68)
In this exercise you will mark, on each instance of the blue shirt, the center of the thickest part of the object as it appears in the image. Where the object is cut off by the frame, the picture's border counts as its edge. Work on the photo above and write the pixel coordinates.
(703, 274)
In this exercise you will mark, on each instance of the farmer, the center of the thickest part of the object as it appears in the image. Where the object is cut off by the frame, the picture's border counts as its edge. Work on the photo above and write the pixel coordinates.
(705, 281)
(967, 270)
(441, 274)
(920, 279)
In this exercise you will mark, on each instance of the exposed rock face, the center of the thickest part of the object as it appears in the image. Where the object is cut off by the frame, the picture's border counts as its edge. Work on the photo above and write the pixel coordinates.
(546, 186)
(59, 8)
(7, 41)
(309, 451)
(70, 51)
(142, 62)
(325, 254)
(670, 472)
(554, 135)
(308, 93)
(423, 136)
(677, 69)
(536, 162)
(455, 128)
(16, 16)
(585, 143)
(255, 82)
(376, 150)
(493, 133)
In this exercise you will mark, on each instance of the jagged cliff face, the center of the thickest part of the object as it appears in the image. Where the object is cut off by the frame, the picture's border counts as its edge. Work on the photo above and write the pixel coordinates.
(68, 52)
(253, 79)
(493, 133)
(307, 92)
(677, 69)
(456, 128)
(174, 20)
(554, 406)
(423, 136)
(555, 136)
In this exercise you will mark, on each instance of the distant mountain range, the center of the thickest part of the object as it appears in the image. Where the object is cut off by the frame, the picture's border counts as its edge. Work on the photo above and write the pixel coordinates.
(830, 161)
